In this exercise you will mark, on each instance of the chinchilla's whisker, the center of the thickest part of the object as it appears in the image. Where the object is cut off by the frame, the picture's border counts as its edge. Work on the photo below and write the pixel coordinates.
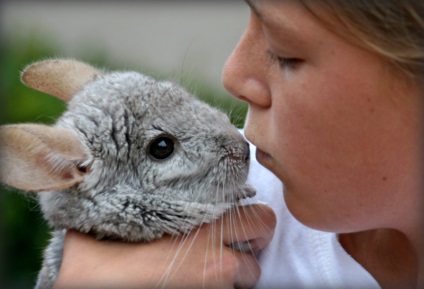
(165, 275)
(241, 234)
(174, 264)
(253, 217)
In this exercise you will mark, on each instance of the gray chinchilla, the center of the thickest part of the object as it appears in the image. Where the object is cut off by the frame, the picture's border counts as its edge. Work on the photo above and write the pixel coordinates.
(132, 158)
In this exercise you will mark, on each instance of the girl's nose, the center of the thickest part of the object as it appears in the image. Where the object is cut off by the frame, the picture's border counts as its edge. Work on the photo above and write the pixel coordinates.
(245, 72)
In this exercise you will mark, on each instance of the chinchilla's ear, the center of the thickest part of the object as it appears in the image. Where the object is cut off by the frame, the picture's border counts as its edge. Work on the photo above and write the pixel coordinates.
(40, 158)
(62, 78)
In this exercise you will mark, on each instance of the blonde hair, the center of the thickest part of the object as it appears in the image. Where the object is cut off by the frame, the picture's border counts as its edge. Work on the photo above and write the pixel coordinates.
(392, 28)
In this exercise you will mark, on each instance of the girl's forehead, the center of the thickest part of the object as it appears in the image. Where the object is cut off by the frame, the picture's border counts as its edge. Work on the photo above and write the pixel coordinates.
(288, 17)
(289, 26)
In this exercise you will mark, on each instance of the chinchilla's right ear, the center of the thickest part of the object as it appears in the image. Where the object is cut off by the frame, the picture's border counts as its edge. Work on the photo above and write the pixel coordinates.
(38, 158)
(62, 78)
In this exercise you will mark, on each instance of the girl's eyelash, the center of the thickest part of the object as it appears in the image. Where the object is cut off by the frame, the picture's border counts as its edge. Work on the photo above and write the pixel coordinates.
(283, 62)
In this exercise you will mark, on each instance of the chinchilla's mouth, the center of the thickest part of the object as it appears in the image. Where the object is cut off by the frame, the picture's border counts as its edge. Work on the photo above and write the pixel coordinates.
(242, 193)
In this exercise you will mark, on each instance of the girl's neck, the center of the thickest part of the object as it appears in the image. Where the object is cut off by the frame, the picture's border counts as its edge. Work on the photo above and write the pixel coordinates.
(388, 255)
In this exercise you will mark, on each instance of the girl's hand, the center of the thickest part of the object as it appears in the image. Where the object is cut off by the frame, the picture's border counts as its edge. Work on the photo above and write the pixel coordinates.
(201, 259)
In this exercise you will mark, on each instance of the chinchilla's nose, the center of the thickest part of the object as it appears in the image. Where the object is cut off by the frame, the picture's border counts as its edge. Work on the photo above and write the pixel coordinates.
(246, 152)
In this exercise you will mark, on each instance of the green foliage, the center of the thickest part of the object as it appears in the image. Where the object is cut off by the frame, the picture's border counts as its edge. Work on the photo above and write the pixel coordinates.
(23, 232)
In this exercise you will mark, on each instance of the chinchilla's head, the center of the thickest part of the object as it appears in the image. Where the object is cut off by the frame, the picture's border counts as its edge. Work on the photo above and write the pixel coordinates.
(126, 141)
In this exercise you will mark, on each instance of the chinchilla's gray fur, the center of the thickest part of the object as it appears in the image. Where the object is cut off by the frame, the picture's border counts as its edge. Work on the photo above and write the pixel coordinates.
(129, 195)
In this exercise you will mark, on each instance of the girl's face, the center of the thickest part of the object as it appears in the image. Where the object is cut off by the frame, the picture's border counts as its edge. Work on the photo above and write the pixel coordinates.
(332, 120)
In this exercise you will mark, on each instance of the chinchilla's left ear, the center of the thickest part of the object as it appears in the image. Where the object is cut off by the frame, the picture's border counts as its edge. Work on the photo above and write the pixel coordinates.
(62, 78)
(39, 158)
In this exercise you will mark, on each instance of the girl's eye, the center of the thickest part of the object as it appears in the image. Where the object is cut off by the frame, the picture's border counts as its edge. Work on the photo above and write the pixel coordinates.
(284, 63)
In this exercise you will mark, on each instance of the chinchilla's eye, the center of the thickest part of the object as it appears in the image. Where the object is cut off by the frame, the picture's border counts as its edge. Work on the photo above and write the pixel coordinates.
(161, 147)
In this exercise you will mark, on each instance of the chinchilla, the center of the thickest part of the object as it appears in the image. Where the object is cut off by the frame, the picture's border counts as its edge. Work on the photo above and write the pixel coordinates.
(132, 158)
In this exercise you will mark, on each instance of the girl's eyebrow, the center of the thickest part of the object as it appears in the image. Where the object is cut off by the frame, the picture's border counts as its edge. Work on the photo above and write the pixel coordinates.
(252, 6)
(263, 17)
(271, 20)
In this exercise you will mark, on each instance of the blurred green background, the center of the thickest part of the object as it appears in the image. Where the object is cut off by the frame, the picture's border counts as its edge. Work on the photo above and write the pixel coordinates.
(23, 232)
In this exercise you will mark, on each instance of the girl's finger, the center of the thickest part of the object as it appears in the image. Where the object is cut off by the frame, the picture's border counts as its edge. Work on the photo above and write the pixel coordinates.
(248, 228)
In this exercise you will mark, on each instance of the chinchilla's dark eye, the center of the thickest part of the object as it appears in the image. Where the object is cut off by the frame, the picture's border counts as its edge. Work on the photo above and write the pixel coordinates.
(161, 147)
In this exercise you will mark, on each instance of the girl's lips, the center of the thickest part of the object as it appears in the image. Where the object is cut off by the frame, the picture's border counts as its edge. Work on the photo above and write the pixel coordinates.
(262, 156)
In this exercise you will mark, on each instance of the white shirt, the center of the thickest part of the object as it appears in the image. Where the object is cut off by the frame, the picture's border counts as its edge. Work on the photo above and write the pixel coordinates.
(300, 257)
